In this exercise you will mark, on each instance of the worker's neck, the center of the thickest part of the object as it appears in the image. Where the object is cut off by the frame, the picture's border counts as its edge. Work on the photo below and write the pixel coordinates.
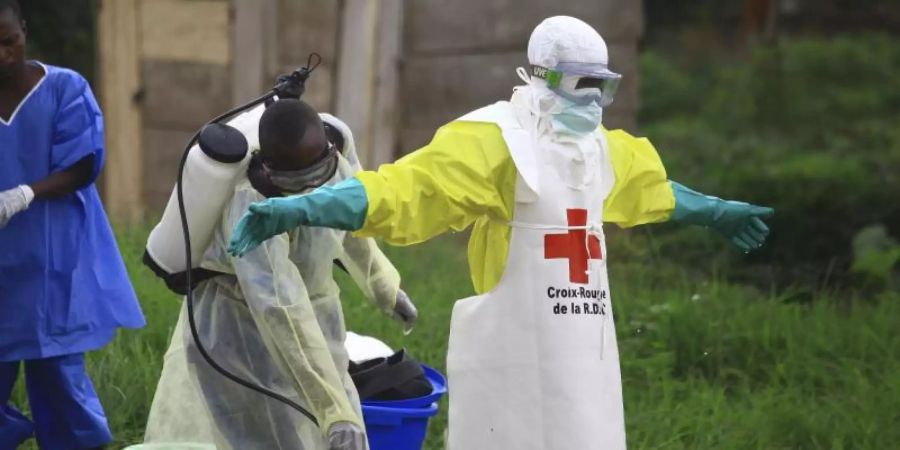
(22, 78)
(16, 84)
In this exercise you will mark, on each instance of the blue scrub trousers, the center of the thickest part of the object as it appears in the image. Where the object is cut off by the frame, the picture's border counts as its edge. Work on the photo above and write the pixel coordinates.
(66, 410)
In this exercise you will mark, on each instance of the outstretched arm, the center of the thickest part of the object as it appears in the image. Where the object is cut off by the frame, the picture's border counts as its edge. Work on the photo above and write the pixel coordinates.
(739, 222)
(443, 186)
(642, 193)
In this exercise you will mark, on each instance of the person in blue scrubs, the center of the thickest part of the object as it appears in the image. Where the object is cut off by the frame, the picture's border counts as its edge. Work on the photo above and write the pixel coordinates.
(64, 290)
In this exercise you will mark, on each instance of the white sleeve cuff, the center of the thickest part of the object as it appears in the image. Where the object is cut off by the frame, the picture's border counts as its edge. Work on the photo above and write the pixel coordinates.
(27, 192)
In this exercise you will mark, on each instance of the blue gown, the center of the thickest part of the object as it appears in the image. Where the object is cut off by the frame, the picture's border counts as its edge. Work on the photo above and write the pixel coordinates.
(63, 284)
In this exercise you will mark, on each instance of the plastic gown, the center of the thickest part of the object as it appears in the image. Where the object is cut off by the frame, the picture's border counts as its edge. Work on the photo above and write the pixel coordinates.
(275, 320)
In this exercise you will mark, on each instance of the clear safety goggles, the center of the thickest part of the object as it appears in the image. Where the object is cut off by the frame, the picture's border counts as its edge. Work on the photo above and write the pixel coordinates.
(581, 82)
(317, 174)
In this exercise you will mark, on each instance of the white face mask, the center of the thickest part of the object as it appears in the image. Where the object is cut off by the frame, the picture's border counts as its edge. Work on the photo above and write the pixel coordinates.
(576, 119)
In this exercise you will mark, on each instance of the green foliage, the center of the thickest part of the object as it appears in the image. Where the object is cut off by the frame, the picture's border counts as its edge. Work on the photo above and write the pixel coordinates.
(713, 365)
(875, 256)
(705, 364)
(808, 126)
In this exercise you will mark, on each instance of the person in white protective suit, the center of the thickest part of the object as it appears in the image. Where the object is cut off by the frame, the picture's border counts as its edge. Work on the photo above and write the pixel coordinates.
(274, 317)
(532, 360)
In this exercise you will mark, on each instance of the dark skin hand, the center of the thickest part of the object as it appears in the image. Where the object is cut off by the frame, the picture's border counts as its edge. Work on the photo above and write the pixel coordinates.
(17, 78)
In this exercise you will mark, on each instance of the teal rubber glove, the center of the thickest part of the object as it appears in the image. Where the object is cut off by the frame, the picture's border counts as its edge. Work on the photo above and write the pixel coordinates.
(342, 206)
(741, 223)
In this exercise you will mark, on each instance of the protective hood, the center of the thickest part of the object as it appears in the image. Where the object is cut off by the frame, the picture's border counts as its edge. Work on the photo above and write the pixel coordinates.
(573, 154)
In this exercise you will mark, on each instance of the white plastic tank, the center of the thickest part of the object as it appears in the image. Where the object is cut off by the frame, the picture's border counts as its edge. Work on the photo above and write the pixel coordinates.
(207, 184)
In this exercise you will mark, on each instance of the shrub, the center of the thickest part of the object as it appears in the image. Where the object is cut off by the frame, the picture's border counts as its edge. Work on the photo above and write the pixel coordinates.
(808, 126)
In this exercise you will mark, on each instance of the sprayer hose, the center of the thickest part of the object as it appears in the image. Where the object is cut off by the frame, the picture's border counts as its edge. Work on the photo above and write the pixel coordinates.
(190, 290)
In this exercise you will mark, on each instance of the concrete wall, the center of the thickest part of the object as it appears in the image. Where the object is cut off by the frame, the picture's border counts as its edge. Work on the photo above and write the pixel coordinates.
(201, 58)
(168, 66)
(186, 78)
(306, 26)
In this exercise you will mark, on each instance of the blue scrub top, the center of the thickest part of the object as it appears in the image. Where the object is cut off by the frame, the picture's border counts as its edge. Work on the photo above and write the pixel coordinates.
(63, 285)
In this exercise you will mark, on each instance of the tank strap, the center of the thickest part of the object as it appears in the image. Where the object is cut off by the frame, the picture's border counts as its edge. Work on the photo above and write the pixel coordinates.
(177, 282)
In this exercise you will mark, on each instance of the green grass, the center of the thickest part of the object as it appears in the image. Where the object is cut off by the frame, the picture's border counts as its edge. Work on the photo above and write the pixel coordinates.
(706, 364)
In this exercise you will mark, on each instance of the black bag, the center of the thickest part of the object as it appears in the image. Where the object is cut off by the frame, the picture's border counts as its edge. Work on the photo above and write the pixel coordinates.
(397, 377)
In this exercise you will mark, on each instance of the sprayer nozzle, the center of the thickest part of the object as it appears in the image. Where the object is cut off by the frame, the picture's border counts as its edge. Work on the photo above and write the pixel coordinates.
(293, 85)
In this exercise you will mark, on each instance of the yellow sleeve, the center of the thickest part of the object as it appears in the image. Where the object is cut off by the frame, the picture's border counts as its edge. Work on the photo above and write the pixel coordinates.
(446, 185)
(642, 193)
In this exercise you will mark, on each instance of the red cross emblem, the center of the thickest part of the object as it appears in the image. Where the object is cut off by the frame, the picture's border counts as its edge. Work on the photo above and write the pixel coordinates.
(572, 246)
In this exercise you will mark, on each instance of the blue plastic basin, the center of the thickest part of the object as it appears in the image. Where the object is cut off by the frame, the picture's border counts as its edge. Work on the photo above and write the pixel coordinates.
(397, 428)
(403, 424)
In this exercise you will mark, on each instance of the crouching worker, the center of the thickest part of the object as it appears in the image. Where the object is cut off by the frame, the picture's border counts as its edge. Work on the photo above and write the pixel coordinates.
(274, 317)
(64, 290)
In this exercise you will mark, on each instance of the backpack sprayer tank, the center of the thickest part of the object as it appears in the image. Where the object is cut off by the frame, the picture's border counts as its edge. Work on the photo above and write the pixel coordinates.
(213, 166)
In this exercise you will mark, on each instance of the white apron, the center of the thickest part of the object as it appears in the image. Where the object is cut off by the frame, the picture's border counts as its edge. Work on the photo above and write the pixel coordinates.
(533, 364)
